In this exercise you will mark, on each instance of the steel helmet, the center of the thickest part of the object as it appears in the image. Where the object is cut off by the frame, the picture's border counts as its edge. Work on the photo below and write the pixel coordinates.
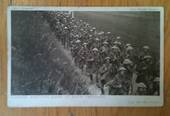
(147, 57)
(78, 41)
(97, 39)
(65, 27)
(84, 43)
(107, 58)
(141, 85)
(127, 61)
(118, 37)
(108, 32)
(93, 28)
(105, 42)
(128, 44)
(122, 69)
(146, 47)
(115, 47)
(129, 48)
(101, 33)
(95, 49)
(157, 79)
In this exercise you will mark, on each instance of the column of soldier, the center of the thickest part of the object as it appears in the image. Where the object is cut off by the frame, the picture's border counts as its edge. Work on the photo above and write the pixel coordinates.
(117, 68)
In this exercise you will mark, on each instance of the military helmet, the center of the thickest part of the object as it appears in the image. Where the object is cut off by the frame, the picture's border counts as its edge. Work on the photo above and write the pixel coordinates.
(97, 39)
(108, 32)
(118, 37)
(141, 85)
(147, 57)
(127, 62)
(101, 33)
(84, 43)
(128, 44)
(129, 48)
(94, 28)
(105, 42)
(122, 69)
(65, 27)
(107, 58)
(157, 79)
(95, 49)
(115, 47)
(146, 47)
(78, 41)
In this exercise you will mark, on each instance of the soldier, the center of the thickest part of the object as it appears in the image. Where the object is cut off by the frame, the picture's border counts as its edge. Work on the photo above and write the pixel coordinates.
(145, 51)
(75, 50)
(115, 56)
(94, 30)
(130, 53)
(128, 64)
(146, 72)
(141, 89)
(67, 36)
(63, 32)
(116, 51)
(127, 45)
(118, 44)
(104, 50)
(83, 53)
(119, 85)
(90, 63)
(106, 70)
(96, 43)
(95, 64)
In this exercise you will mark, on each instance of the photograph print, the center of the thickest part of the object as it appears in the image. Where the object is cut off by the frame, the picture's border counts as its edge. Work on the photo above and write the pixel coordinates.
(85, 52)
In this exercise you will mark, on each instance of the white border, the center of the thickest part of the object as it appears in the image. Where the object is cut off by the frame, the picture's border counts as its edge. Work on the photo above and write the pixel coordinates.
(85, 100)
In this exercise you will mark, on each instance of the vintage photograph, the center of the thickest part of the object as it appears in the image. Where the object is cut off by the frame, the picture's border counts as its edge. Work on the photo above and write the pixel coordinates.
(86, 52)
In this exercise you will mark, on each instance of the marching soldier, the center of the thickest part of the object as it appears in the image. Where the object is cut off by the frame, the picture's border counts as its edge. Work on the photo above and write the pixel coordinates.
(141, 89)
(83, 53)
(119, 85)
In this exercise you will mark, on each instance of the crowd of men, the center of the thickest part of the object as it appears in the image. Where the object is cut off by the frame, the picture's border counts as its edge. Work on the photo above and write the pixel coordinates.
(118, 68)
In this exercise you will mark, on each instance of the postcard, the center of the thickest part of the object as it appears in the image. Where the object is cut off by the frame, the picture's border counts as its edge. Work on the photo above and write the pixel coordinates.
(85, 56)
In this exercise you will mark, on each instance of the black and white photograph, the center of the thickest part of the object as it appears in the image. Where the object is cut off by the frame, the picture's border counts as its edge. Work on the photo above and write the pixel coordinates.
(62, 56)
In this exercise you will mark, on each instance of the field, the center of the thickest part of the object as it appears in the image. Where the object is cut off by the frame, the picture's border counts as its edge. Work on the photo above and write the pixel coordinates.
(137, 28)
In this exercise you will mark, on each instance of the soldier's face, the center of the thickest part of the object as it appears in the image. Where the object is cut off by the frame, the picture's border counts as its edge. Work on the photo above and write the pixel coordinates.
(95, 52)
(108, 60)
(146, 50)
(148, 60)
(85, 46)
(122, 72)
